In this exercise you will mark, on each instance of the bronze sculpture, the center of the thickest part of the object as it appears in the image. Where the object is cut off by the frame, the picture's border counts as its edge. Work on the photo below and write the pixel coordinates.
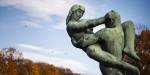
(107, 45)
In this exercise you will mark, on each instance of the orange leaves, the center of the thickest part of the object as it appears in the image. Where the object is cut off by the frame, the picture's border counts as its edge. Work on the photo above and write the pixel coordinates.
(143, 50)
(145, 35)
(35, 69)
(11, 64)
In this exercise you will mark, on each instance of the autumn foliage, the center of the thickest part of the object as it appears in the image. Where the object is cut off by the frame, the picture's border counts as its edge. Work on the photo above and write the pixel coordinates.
(13, 63)
(143, 51)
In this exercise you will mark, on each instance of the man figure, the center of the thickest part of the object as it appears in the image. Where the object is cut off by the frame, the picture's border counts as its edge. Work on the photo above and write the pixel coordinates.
(105, 46)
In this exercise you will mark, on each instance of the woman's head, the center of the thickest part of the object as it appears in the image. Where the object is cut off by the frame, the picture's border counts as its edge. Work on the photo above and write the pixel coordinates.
(75, 13)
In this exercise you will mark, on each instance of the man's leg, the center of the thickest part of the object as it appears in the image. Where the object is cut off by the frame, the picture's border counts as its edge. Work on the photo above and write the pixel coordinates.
(108, 70)
(129, 33)
(95, 52)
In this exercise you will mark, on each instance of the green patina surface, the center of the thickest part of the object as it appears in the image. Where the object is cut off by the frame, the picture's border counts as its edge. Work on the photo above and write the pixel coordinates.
(106, 46)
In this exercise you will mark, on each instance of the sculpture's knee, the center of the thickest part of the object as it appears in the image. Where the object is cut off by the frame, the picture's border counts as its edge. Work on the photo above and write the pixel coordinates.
(128, 24)
(91, 51)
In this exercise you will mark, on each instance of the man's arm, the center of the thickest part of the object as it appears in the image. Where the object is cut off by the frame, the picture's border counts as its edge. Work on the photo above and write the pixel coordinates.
(83, 24)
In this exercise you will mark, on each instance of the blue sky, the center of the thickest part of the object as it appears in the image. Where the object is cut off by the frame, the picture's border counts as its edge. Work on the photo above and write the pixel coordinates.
(37, 28)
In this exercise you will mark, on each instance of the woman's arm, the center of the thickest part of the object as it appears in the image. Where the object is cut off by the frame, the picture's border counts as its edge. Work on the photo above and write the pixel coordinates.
(95, 22)
(83, 24)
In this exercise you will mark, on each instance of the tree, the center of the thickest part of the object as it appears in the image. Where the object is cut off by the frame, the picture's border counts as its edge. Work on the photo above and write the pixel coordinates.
(143, 50)
(13, 63)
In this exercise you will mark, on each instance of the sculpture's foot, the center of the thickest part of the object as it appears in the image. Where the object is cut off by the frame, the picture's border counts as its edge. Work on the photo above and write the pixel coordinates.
(131, 53)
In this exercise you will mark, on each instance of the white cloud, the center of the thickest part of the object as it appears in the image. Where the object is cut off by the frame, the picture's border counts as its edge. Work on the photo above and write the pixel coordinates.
(60, 26)
(38, 49)
(31, 23)
(37, 8)
(29, 52)
(43, 10)
(74, 65)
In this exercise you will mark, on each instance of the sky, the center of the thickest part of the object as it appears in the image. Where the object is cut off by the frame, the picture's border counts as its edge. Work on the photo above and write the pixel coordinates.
(37, 28)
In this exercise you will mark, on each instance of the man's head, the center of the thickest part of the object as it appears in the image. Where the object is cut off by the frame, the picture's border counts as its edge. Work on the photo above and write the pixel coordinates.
(112, 18)
(75, 13)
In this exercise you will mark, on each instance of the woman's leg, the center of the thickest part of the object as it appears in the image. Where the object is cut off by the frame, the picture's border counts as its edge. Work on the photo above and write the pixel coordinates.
(129, 33)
